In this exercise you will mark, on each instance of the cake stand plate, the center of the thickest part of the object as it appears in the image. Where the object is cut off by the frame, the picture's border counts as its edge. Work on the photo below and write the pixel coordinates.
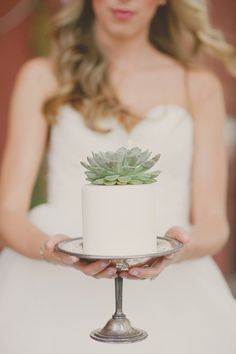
(164, 246)
(119, 329)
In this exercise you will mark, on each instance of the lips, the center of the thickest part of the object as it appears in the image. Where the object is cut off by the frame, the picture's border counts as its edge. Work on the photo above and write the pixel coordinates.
(122, 14)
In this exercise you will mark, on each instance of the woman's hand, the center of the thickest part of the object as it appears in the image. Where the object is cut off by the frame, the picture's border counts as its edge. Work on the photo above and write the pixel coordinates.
(97, 269)
(153, 268)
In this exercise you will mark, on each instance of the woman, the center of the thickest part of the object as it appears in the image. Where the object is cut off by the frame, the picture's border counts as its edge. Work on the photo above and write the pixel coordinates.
(121, 72)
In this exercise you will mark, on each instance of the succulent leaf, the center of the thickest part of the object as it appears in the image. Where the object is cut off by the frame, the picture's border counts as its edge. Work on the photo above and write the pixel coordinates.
(124, 166)
(98, 181)
(124, 179)
(110, 183)
(135, 181)
(111, 178)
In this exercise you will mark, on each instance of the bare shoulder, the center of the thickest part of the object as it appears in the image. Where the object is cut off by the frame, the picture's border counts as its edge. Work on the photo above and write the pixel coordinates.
(39, 73)
(39, 68)
(205, 87)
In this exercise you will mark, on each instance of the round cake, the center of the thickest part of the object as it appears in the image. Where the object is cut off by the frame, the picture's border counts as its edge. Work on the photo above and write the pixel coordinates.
(119, 219)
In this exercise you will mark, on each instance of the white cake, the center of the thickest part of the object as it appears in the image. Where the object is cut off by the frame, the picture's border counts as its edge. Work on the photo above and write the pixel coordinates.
(119, 219)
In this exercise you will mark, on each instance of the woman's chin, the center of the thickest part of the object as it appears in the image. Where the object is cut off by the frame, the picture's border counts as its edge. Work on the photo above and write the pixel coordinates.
(121, 32)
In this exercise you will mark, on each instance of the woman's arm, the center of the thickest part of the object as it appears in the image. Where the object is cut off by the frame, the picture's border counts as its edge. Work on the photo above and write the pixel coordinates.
(210, 229)
(26, 141)
(25, 145)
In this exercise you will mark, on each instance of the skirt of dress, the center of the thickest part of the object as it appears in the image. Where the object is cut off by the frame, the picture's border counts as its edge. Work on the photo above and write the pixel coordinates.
(51, 309)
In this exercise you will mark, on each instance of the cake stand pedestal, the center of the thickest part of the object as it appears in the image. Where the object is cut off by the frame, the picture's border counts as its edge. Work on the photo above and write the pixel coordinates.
(119, 329)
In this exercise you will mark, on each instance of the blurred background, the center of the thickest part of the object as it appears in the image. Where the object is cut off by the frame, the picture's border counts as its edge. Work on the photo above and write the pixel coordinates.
(23, 35)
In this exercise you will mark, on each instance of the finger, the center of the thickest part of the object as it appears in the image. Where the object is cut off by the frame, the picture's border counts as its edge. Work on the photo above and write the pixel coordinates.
(53, 240)
(178, 233)
(154, 260)
(171, 256)
(52, 257)
(67, 260)
(150, 272)
(143, 273)
(109, 272)
(92, 268)
(126, 275)
(161, 265)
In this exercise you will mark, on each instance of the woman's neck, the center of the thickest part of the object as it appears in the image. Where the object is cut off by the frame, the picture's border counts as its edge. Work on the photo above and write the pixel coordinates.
(125, 52)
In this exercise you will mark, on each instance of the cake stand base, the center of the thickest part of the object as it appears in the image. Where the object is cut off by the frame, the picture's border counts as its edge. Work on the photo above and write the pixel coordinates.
(118, 330)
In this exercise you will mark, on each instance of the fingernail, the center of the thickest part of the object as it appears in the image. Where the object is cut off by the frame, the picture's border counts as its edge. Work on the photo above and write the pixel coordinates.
(104, 264)
(134, 272)
(74, 259)
(49, 244)
(186, 237)
(111, 272)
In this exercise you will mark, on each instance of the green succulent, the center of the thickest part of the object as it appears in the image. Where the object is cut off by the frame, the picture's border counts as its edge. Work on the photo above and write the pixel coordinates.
(124, 166)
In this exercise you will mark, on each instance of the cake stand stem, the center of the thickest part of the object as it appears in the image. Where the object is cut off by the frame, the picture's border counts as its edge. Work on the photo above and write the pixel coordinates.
(119, 297)
(118, 329)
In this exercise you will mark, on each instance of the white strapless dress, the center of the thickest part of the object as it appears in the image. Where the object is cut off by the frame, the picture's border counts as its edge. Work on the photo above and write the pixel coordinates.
(48, 309)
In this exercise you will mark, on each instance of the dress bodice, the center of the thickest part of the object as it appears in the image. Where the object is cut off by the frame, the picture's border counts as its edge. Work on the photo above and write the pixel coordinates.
(166, 129)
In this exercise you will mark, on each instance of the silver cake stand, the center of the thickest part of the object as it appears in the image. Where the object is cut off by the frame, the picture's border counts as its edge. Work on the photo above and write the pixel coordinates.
(119, 329)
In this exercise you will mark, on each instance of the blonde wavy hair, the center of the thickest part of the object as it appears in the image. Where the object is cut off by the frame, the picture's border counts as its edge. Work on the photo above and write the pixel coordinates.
(81, 69)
